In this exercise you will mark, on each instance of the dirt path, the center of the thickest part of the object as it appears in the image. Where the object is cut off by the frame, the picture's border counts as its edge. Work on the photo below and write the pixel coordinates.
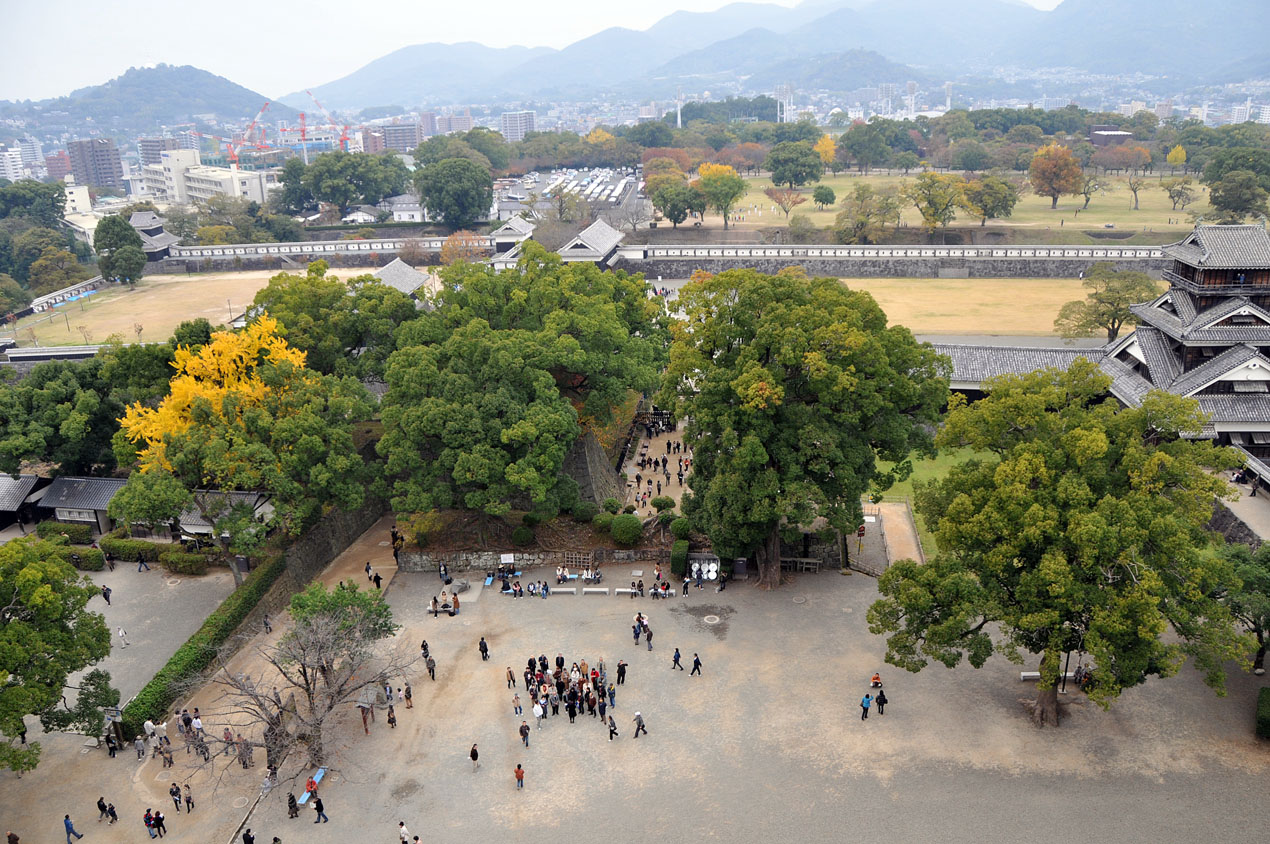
(901, 537)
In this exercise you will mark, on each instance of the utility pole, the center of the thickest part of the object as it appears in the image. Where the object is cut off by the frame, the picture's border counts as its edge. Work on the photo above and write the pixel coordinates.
(679, 107)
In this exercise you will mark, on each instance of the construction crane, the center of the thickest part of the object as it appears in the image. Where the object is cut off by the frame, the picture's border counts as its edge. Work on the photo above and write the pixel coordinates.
(254, 121)
(335, 127)
(304, 138)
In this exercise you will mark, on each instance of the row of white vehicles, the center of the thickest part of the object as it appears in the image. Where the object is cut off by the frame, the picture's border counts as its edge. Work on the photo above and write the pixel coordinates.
(601, 186)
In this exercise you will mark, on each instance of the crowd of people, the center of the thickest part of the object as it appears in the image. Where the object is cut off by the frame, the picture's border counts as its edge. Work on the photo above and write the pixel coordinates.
(579, 687)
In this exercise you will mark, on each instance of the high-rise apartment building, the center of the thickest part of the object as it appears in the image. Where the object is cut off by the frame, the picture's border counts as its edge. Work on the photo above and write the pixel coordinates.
(373, 141)
(149, 148)
(32, 153)
(428, 122)
(96, 162)
(447, 123)
(11, 164)
(58, 165)
(516, 124)
(403, 137)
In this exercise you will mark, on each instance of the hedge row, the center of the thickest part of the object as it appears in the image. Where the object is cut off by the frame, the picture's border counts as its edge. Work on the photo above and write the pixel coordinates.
(679, 557)
(83, 557)
(133, 550)
(1263, 713)
(77, 533)
(191, 659)
(181, 562)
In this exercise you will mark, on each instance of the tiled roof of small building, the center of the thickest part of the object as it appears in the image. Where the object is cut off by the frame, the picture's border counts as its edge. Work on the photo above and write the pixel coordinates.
(81, 493)
(977, 363)
(1224, 247)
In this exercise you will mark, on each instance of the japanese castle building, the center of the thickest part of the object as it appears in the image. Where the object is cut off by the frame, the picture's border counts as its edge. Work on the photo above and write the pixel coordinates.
(1207, 336)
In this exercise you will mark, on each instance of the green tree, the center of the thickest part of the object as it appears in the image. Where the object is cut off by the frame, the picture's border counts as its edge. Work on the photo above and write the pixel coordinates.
(154, 499)
(29, 246)
(455, 191)
(936, 196)
(1085, 530)
(1238, 195)
(114, 233)
(905, 161)
(62, 413)
(490, 144)
(46, 634)
(970, 156)
(1237, 160)
(793, 389)
(676, 201)
(823, 196)
(990, 198)
(55, 269)
(1054, 171)
(353, 611)
(41, 203)
(1180, 191)
(794, 164)
(865, 214)
(1250, 601)
(864, 144)
(86, 715)
(721, 187)
(345, 178)
(295, 196)
(1106, 306)
(127, 264)
(653, 134)
(12, 296)
(1091, 183)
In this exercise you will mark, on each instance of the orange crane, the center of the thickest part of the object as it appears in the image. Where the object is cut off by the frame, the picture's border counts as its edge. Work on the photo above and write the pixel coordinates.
(335, 127)
(254, 121)
(304, 137)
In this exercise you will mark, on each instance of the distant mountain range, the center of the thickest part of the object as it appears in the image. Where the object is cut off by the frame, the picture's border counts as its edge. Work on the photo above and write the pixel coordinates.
(816, 44)
(142, 98)
(836, 45)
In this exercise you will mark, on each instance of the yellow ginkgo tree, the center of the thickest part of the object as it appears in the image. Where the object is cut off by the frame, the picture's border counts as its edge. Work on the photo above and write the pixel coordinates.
(244, 413)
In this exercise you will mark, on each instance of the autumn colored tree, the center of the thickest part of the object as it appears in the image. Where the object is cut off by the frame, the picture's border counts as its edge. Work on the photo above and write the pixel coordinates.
(865, 214)
(463, 245)
(827, 150)
(786, 199)
(936, 196)
(990, 198)
(1054, 172)
(1177, 157)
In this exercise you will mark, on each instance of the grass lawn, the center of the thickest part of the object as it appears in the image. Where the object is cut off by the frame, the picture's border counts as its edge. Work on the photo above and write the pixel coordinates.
(930, 470)
(1115, 206)
(158, 304)
(972, 305)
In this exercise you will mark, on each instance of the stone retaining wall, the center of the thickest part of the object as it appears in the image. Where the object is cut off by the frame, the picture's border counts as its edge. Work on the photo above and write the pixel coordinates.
(281, 263)
(1232, 527)
(483, 561)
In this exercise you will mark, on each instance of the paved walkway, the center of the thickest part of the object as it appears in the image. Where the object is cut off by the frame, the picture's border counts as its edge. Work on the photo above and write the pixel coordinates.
(1254, 512)
(656, 447)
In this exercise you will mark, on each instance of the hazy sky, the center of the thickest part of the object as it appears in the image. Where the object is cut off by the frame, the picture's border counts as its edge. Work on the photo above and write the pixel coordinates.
(51, 47)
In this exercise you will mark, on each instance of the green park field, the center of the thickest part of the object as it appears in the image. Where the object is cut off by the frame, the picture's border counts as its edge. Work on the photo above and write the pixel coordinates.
(1113, 206)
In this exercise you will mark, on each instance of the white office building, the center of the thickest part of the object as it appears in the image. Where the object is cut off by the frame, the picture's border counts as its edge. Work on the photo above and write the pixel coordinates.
(11, 167)
(517, 124)
(182, 178)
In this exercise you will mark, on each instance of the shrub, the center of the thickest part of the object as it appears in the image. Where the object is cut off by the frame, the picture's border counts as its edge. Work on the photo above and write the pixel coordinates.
(584, 511)
(680, 528)
(667, 518)
(181, 562)
(662, 502)
(523, 536)
(629, 508)
(1263, 713)
(134, 550)
(155, 700)
(422, 527)
(626, 529)
(679, 557)
(83, 557)
(76, 533)
(531, 520)
(602, 521)
(611, 505)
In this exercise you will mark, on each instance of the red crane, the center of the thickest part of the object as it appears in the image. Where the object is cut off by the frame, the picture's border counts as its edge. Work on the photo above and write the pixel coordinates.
(335, 127)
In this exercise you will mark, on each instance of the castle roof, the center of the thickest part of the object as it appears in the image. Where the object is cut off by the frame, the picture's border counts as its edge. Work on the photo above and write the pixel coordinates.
(1224, 247)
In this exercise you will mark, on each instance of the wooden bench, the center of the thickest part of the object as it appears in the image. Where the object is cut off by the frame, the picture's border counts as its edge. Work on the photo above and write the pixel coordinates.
(571, 589)
(317, 778)
(595, 590)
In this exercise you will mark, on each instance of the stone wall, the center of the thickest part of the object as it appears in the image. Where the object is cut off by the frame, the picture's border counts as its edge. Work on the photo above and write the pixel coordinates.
(587, 464)
(281, 263)
(1229, 525)
(892, 267)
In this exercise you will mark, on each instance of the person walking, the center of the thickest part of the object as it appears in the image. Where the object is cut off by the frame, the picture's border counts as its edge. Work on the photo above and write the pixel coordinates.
(864, 707)
(524, 732)
(175, 793)
(140, 744)
(123, 636)
(189, 800)
(696, 665)
(267, 624)
(432, 668)
(101, 808)
(142, 566)
(648, 636)
(369, 575)
(403, 833)
(636, 628)
(423, 649)
(538, 713)
(511, 678)
(320, 810)
(520, 776)
(639, 725)
(293, 806)
(248, 838)
(612, 728)
(105, 593)
(110, 810)
(148, 820)
(516, 708)
(475, 757)
(160, 824)
(377, 580)
(612, 696)
(880, 700)
(675, 663)
(484, 649)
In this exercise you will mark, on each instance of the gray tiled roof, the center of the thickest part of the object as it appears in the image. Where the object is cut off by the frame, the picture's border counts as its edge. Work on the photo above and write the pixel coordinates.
(152, 243)
(1213, 369)
(1225, 310)
(519, 225)
(1224, 247)
(1184, 303)
(401, 276)
(1161, 361)
(13, 491)
(1126, 385)
(81, 493)
(1256, 464)
(598, 239)
(1194, 336)
(1236, 407)
(145, 220)
(213, 501)
(975, 364)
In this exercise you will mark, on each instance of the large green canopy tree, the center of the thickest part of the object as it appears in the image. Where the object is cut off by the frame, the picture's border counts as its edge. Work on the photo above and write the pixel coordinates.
(1084, 532)
(793, 389)
(487, 393)
(46, 634)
